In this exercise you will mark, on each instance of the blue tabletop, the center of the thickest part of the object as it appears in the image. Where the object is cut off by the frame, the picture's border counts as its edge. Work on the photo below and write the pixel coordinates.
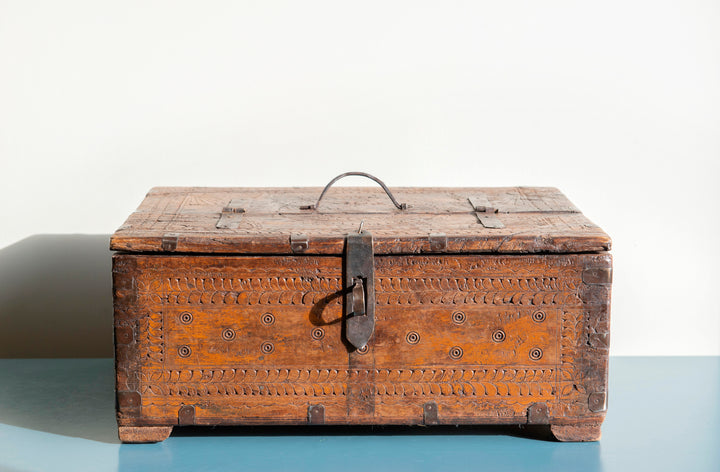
(59, 415)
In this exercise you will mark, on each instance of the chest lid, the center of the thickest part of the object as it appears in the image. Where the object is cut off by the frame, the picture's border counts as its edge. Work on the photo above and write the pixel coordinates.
(402, 221)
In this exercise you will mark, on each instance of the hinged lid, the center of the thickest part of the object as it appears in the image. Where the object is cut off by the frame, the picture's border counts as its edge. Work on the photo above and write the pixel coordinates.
(287, 221)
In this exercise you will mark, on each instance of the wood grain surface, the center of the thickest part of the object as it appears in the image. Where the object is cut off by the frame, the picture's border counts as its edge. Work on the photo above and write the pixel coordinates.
(535, 220)
(481, 339)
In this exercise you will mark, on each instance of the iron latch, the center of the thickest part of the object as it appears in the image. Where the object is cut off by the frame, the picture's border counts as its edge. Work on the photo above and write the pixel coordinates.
(359, 288)
(231, 215)
(485, 212)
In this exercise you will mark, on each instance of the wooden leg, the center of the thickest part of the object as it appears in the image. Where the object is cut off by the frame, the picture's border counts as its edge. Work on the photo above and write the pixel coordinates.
(143, 434)
(576, 432)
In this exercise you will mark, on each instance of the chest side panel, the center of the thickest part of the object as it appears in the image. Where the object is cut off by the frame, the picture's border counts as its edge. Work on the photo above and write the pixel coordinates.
(253, 339)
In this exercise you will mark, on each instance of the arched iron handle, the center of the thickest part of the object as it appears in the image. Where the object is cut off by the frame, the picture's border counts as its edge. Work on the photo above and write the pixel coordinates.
(399, 206)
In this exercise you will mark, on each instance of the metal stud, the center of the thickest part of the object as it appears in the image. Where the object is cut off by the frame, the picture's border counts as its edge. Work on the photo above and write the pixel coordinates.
(456, 352)
(498, 336)
(363, 350)
(458, 317)
(535, 354)
(184, 351)
(267, 319)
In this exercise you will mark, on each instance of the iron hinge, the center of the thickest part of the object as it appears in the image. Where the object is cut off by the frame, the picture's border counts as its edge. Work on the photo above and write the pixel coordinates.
(299, 242)
(537, 413)
(186, 415)
(430, 413)
(316, 414)
(169, 241)
(438, 242)
(128, 400)
(597, 402)
(597, 276)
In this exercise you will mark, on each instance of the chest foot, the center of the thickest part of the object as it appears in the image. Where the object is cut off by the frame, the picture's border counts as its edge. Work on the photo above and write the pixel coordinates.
(576, 432)
(143, 434)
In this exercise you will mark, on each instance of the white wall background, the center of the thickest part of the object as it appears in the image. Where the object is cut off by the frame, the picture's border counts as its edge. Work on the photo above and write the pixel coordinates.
(617, 103)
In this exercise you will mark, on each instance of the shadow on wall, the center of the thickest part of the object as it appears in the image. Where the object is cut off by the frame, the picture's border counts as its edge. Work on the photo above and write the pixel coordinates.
(56, 297)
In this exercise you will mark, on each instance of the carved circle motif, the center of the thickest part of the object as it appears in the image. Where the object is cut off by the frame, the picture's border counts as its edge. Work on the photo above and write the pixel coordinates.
(184, 351)
(363, 350)
(456, 352)
(536, 353)
(458, 317)
(412, 337)
(228, 334)
(267, 348)
(498, 336)
(268, 319)
(317, 333)
(186, 317)
(538, 316)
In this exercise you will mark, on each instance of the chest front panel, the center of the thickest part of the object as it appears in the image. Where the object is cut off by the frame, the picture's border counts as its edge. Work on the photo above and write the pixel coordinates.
(260, 339)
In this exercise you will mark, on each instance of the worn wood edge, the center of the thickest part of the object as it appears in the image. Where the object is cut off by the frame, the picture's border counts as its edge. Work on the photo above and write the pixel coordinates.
(485, 420)
(337, 421)
(595, 347)
(124, 268)
(565, 433)
(315, 190)
(343, 421)
(207, 240)
(199, 243)
(576, 432)
(143, 434)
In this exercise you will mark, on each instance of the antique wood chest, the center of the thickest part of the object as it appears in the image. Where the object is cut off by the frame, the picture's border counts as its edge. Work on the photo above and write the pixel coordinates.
(239, 306)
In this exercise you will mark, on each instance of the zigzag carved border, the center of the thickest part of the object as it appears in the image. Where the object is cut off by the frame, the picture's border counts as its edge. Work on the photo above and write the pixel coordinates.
(502, 382)
(389, 290)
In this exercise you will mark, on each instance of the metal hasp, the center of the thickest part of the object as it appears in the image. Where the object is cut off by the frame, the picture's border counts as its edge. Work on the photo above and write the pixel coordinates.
(485, 213)
(359, 288)
(231, 215)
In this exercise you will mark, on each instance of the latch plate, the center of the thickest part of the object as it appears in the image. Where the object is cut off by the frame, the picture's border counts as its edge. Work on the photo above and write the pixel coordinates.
(485, 212)
(359, 288)
(231, 215)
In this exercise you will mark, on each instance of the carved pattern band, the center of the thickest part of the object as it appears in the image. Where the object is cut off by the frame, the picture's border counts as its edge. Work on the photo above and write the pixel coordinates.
(319, 382)
(566, 382)
(389, 291)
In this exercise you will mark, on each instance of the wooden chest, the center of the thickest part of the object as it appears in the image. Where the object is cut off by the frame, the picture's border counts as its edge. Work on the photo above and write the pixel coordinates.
(238, 306)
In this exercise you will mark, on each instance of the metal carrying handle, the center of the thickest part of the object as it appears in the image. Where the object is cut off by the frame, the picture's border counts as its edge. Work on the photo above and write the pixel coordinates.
(399, 206)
